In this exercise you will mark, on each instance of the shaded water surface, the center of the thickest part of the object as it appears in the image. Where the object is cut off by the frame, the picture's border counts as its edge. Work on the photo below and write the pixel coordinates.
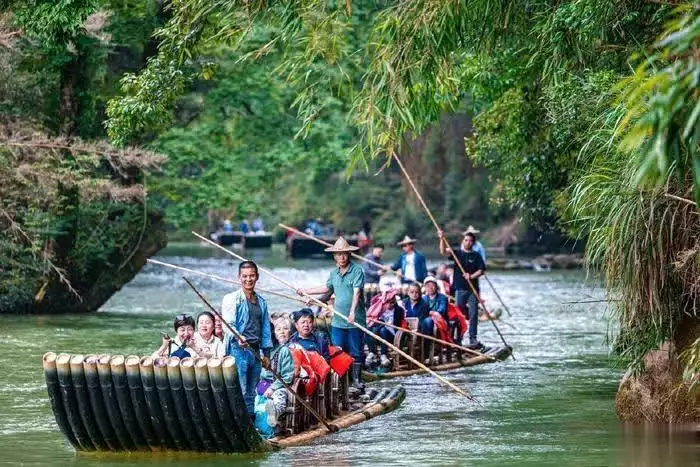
(553, 405)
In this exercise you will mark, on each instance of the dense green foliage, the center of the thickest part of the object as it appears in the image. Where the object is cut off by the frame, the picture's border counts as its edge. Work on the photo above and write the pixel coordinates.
(73, 210)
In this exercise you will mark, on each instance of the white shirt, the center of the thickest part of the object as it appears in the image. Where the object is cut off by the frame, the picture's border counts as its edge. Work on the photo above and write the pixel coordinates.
(214, 347)
(410, 272)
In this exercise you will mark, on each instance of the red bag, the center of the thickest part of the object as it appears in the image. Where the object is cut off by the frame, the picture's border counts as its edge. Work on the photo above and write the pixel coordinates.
(454, 313)
(340, 361)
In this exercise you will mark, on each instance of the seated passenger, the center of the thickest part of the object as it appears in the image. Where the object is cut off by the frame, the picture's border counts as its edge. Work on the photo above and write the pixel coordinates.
(437, 306)
(207, 344)
(384, 310)
(306, 337)
(183, 345)
(271, 397)
(414, 305)
(218, 328)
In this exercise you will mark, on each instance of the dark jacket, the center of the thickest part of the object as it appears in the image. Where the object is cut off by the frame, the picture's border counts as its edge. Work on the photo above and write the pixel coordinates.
(420, 310)
(371, 270)
(317, 342)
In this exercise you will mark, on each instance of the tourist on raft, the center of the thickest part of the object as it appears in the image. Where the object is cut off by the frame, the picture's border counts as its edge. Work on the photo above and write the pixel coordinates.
(271, 398)
(384, 309)
(415, 305)
(347, 283)
(437, 313)
(373, 272)
(184, 345)
(411, 263)
(206, 342)
(246, 312)
(466, 286)
(219, 328)
(308, 338)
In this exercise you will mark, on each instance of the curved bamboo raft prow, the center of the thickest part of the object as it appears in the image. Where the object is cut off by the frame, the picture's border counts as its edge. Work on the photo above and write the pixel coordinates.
(116, 404)
(382, 402)
(457, 361)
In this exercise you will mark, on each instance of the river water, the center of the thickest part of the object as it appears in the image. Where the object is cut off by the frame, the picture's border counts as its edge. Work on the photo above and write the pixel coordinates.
(553, 405)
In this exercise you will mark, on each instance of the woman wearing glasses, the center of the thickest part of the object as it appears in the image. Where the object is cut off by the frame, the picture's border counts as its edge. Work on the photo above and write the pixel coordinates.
(183, 345)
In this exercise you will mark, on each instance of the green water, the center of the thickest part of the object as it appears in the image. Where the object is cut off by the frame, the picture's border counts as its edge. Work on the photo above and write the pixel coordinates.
(554, 405)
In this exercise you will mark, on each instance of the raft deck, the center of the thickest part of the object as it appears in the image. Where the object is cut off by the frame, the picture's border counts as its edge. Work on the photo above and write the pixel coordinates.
(460, 361)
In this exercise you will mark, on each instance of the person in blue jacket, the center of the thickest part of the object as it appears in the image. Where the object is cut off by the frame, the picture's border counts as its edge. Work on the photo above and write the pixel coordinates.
(411, 262)
(308, 338)
(246, 311)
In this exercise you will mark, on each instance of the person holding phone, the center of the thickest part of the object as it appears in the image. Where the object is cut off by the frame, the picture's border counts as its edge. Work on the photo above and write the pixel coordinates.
(183, 345)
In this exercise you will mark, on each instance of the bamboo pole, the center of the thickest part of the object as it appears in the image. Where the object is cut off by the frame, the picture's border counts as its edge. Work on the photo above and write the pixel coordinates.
(343, 317)
(331, 428)
(497, 294)
(223, 279)
(442, 239)
(354, 255)
(433, 338)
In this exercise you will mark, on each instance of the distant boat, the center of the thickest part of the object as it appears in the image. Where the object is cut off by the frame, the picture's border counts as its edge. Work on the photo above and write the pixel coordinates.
(301, 247)
(249, 240)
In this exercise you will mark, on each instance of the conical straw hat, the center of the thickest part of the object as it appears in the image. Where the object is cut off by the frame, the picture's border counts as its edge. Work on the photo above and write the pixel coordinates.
(341, 246)
(406, 240)
(471, 230)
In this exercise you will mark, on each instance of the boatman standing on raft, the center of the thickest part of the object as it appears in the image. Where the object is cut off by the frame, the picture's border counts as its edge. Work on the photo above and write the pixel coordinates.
(246, 311)
(466, 286)
(411, 262)
(347, 283)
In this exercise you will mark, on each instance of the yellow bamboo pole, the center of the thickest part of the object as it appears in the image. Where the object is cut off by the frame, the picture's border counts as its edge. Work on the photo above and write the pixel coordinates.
(343, 317)
(442, 239)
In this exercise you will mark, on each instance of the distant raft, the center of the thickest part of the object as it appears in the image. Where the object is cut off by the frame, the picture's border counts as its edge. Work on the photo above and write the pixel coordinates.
(118, 403)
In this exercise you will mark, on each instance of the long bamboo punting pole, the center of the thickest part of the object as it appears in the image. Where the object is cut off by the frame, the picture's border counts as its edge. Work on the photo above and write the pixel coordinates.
(223, 279)
(432, 338)
(331, 428)
(498, 296)
(354, 255)
(454, 256)
(343, 317)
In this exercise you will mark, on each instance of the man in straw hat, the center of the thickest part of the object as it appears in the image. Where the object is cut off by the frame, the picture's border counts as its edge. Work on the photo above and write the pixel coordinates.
(477, 247)
(466, 285)
(411, 262)
(347, 282)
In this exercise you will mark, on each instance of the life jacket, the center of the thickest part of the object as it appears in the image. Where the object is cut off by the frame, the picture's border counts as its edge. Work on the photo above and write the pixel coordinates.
(304, 368)
(442, 327)
(455, 314)
(340, 361)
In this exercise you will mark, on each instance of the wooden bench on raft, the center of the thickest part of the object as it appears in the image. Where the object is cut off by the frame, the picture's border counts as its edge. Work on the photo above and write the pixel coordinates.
(413, 346)
(330, 399)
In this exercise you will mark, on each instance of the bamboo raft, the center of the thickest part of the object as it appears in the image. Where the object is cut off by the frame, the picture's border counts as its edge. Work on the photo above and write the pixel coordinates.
(116, 403)
(446, 361)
